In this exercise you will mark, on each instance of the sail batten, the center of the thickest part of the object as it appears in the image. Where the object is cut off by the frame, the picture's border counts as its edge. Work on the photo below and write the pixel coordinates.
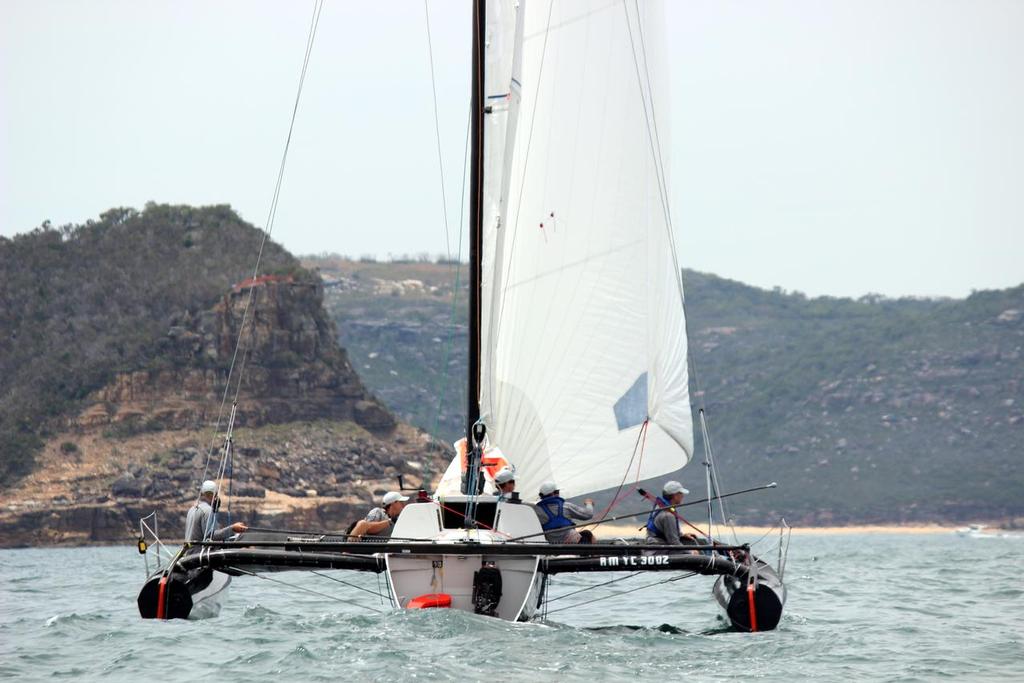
(583, 342)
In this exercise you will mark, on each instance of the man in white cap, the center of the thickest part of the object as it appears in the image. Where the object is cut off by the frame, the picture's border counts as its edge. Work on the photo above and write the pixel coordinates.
(662, 524)
(201, 519)
(556, 514)
(505, 480)
(380, 521)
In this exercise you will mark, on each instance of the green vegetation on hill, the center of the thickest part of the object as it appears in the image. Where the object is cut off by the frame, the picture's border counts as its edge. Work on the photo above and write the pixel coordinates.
(868, 410)
(80, 303)
(863, 410)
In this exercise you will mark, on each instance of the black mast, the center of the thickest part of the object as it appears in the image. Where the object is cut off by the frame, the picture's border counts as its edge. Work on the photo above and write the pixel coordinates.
(476, 182)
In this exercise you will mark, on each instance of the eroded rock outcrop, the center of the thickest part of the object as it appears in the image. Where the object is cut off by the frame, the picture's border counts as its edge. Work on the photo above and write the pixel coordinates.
(312, 446)
(288, 358)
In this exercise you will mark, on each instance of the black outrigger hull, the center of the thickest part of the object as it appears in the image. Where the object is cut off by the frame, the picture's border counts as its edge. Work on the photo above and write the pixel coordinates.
(183, 594)
(754, 604)
(733, 590)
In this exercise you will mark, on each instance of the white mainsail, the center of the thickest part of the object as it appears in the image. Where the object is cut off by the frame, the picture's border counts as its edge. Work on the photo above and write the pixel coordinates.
(583, 336)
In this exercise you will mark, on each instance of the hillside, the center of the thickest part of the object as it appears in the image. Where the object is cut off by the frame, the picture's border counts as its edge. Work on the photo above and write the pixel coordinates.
(873, 410)
(118, 334)
(122, 333)
(81, 303)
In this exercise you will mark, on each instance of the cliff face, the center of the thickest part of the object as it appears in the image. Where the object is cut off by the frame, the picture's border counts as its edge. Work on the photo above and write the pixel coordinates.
(290, 364)
(81, 303)
(312, 447)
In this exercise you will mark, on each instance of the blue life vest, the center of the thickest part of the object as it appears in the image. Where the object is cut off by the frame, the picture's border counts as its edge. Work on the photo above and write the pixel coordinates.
(556, 520)
(652, 527)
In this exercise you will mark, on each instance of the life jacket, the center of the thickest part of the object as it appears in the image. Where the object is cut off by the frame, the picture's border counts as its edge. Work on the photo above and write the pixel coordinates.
(492, 461)
(556, 520)
(652, 528)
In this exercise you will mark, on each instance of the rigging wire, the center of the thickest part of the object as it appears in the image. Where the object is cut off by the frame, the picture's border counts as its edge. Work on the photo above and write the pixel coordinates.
(280, 182)
(626, 592)
(655, 148)
(437, 131)
(655, 143)
(307, 590)
(590, 588)
(346, 583)
(457, 267)
(526, 164)
(314, 23)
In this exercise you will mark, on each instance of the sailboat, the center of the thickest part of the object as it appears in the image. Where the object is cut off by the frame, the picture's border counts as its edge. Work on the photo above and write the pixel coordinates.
(578, 364)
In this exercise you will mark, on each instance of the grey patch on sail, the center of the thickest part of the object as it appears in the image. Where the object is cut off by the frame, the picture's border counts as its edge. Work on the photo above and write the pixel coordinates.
(631, 408)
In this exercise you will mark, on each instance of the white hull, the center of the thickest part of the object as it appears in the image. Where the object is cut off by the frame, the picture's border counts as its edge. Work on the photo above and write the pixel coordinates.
(414, 575)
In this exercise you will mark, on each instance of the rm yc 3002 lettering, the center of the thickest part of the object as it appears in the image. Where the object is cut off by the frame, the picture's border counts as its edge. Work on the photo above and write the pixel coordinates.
(636, 561)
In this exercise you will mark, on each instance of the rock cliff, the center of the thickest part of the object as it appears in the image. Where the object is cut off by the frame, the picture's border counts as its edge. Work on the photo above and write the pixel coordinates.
(312, 447)
(290, 365)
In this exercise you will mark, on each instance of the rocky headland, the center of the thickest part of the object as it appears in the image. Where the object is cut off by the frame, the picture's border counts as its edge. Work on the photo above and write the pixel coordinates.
(312, 446)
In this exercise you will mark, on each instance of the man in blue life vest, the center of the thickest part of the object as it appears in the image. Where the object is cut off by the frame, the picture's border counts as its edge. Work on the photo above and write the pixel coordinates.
(554, 513)
(662, 524)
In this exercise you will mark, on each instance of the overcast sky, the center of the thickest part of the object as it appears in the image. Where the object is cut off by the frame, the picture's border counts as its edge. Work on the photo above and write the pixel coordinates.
(829, 147)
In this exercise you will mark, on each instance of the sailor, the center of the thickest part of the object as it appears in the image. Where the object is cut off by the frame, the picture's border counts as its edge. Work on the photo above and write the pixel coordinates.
(201, 518)
(505, 480)
(554, 513)
(379, 522)
(663, 524)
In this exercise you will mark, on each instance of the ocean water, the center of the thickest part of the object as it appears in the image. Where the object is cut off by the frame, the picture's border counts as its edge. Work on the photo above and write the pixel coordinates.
(861, 608)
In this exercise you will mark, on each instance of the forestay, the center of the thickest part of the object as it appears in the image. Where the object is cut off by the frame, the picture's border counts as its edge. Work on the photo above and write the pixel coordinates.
(583, 334)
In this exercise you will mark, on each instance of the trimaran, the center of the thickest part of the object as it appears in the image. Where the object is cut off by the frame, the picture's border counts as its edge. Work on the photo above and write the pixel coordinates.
(578, 364)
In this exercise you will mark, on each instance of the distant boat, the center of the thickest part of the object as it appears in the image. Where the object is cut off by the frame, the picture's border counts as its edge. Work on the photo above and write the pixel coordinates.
(578, 364)
(971, 530)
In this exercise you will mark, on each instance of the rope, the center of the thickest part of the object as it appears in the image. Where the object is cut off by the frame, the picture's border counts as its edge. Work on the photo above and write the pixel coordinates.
(307, 590)
(631, 590)
(618, 493)
(476, 521)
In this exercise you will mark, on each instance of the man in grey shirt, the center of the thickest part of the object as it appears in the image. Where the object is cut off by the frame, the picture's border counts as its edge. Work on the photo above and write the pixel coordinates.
(201, 518)
(378, 523)
(556, 514)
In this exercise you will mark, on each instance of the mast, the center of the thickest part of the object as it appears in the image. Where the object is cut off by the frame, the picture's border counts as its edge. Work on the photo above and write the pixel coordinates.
(476, 182)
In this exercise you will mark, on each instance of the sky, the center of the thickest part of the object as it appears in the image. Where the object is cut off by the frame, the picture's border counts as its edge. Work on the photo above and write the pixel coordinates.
(830, 147)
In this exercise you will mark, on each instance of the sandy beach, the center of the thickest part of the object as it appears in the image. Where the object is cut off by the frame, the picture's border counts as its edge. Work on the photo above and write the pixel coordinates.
(755, 532)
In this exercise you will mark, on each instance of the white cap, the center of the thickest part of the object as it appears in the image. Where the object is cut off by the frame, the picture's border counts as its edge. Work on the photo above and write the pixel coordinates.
(393, 497)
(504, 476)
(547, 488)
(673, 487)
(209, 486)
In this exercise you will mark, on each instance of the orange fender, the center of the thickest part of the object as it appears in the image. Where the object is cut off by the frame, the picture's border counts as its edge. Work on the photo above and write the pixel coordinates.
(430, 600)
